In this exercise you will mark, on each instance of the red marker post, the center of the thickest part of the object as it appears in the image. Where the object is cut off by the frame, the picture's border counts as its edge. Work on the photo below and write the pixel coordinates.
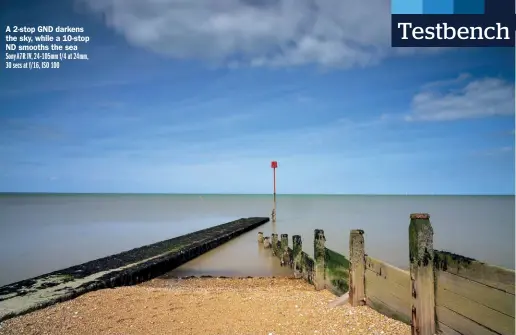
(274, 166)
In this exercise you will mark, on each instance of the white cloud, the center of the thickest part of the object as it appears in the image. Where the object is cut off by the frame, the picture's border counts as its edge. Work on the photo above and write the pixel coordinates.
(474, 99)
(448, 82)
(340, 33)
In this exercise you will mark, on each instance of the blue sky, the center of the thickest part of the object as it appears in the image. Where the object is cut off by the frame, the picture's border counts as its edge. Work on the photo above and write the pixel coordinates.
(199, 96)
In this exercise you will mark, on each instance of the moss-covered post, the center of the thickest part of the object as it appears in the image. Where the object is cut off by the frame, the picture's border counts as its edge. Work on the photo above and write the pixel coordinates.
(284, 255)
(266, 242)
(356, 268)
(260, 237)
(421, 252)
(297, 248)
(274, 244)
(319, 253)
(284, 242)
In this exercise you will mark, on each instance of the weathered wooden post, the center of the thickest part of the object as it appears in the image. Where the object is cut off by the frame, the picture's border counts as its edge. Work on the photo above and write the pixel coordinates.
(274, 243)
(284, 241)
(319, 253)
(260, 237)
(357, 268)
(421, 252)
(297, 248)
(274, 166)
(266, 242)
(284, 256)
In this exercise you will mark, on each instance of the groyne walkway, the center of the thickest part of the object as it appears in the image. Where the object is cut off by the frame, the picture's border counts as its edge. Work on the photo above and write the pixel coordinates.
(126, 268)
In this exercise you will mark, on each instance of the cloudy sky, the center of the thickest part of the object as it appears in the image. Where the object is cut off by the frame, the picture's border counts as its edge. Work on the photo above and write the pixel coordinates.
(198, 96)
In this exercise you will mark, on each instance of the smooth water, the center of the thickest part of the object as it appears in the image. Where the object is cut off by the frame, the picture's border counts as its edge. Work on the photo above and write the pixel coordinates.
(43, 233)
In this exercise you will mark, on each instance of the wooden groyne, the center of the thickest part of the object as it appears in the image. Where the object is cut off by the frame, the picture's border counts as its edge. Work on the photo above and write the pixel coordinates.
(442, 293)
(126, 268)
(329, 269)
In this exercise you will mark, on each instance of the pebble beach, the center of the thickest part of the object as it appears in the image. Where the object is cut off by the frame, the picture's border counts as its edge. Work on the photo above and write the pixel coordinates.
(205, 306)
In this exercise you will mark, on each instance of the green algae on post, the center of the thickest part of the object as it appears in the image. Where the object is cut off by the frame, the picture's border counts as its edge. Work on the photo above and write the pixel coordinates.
(420, 234)
(284, 250)
(422, 277)
(444, 260)
(297, 248)
(337, 271)
(274, 244)
(319, 255)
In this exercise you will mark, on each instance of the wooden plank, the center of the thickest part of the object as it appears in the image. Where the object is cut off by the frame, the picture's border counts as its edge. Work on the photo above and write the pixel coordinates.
(379, 286)
(480, 314)
(385, 309)
(337, 272)
(459, 323)
(307, 266)
(401, 292)
(493, 298)
(396, 297)
(334, 259)
(445, 330)
(389, 272)
(469, 268)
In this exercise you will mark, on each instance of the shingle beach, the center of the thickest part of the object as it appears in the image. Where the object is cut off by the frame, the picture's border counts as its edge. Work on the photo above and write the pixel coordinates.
(205, 306)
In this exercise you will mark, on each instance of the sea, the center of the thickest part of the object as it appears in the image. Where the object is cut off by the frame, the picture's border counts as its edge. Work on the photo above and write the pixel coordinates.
(40, 233)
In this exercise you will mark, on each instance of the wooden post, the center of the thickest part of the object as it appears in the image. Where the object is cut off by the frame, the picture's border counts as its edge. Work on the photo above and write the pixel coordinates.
(274, 166)
(284, 256)
(421, 252)
(357, 268)
(284, 242)
(266, 242)
(297, 248)
(260, 237)
(274, 244)
(319, 253)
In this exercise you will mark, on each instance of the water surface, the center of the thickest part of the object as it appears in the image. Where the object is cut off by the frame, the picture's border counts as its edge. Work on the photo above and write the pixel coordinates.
(43, 233)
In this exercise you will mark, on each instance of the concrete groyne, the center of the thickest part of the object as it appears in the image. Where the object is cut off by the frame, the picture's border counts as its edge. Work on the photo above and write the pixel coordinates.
(126, 268)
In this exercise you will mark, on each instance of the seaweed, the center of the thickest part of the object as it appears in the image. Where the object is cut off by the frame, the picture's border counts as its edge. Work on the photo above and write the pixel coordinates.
(444, 259)
(337, 270)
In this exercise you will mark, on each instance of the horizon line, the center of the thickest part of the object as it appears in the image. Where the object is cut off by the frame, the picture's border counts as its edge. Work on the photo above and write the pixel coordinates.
(264, 194)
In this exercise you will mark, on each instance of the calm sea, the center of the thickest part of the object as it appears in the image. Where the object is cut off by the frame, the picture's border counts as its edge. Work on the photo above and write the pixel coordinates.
(42, 233)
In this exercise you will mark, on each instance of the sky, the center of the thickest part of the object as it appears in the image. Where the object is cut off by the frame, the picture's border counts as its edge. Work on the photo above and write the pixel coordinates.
(183, 96)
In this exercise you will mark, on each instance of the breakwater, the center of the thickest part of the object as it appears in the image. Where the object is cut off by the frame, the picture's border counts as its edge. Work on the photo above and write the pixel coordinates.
(442, 293)
(327, 270)
(126, 268)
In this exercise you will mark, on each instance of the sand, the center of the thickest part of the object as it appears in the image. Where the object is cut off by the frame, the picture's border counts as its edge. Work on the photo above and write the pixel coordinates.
(205, 306)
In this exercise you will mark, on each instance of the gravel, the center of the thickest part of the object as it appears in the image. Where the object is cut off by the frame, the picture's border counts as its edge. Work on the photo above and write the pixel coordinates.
(206, 306)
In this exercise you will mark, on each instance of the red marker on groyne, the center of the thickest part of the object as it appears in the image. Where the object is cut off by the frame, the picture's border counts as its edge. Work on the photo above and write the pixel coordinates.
(274, 166)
